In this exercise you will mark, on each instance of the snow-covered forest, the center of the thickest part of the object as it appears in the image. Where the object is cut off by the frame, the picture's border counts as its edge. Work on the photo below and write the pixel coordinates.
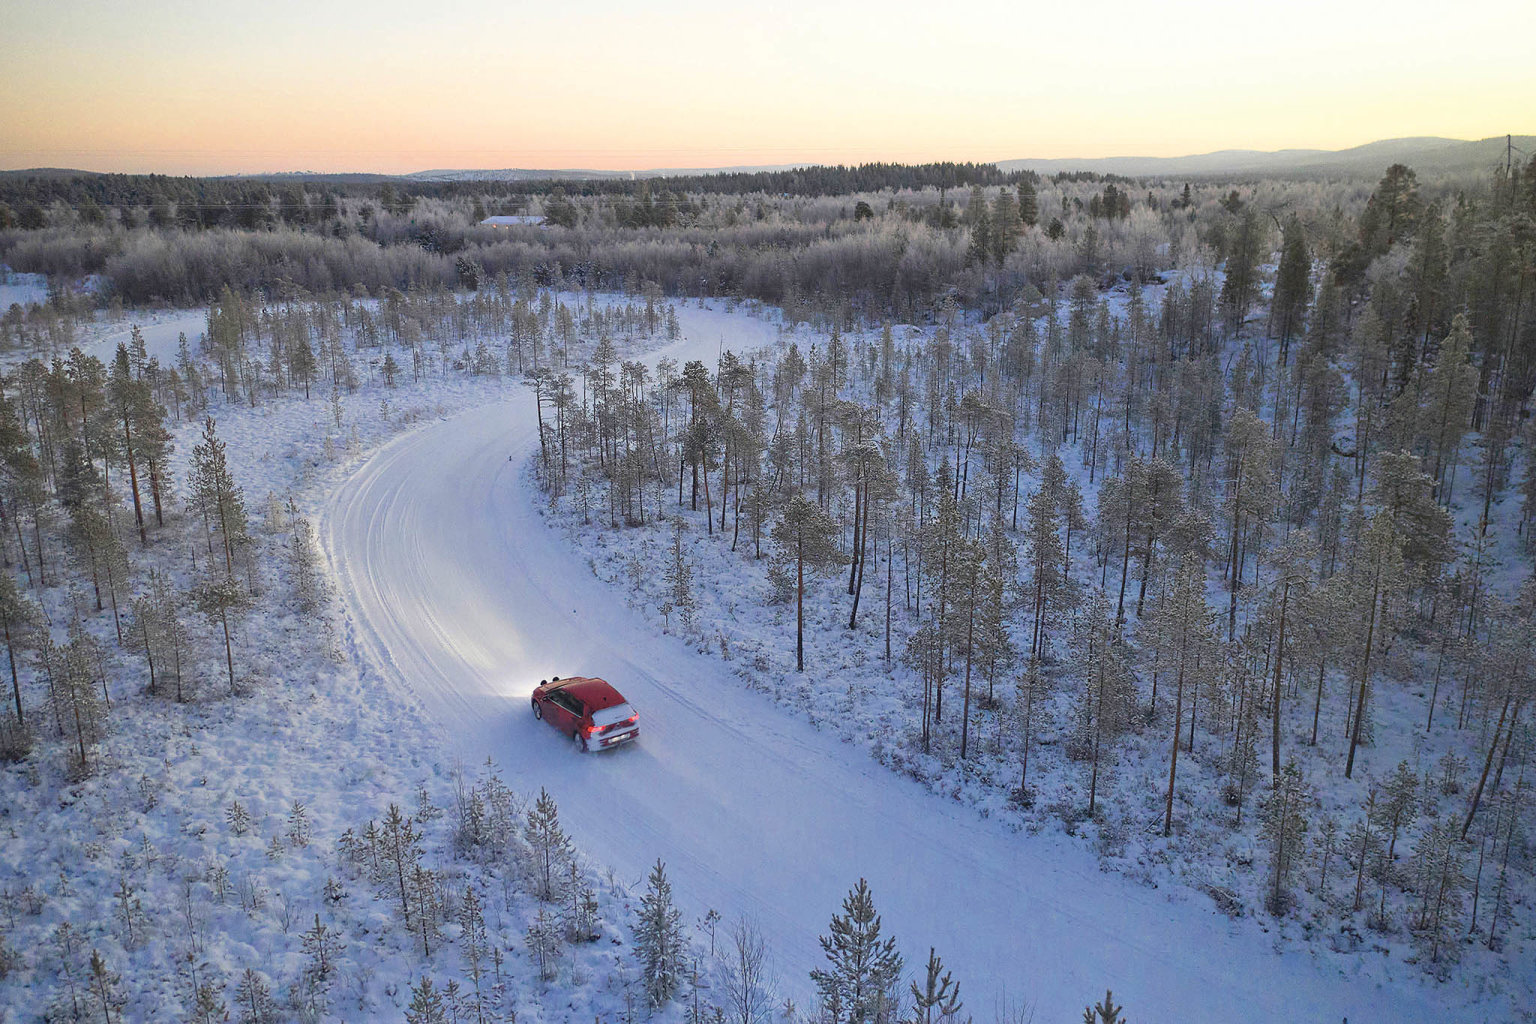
(1190, 522)
(1244, 513)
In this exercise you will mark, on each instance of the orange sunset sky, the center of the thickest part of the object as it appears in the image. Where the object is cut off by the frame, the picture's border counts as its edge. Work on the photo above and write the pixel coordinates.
(212, 87)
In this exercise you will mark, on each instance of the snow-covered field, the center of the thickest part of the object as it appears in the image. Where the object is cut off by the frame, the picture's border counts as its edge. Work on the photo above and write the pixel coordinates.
(21, 289)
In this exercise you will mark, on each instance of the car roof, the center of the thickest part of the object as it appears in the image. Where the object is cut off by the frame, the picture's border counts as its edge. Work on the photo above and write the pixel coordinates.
(594, 693)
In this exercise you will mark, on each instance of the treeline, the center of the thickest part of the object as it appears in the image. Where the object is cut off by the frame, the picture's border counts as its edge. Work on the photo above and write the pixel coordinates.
(289, 194)
(877, 255)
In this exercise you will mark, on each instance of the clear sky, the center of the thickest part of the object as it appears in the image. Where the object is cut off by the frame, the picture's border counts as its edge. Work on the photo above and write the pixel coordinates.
(212, 86)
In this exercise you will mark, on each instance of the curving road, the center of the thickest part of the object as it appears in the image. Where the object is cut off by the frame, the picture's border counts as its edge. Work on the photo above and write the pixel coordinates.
(459, 592)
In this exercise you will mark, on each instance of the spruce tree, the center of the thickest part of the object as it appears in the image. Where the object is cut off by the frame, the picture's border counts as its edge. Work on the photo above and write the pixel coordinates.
(1292, 286)
(1029, 202)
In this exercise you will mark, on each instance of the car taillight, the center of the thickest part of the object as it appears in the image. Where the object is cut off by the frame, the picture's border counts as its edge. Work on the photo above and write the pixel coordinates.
(589, 729)
(631, 720)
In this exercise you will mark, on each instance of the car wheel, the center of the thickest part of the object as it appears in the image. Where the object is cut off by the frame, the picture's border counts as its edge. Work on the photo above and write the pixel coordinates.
(538, 710)
(581, 743)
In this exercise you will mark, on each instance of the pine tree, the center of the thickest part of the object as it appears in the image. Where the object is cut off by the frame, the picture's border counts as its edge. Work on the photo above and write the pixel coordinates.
(806, 534)
(1005, 225)
(1449, 395)
(544, 944)
(1400, 804)
(303, 562)
(1284, 828)
(78, 706)
(473, 946)
(426, 1006)
(1294, 569)
(1240, 283)
(939, 998)
(679, 577)
(859, 984)
(17, 619)
(1180, 629)
(126, 401)
(659, 942)
(106, 988)
(219, 596)
(550, 845)
(1377, 576)
(323, 946)
(580, 910)
(400, 849)
(1106, 1012)
(1108, 699)
(1440, 868)
(217, 497)
(254, 1000)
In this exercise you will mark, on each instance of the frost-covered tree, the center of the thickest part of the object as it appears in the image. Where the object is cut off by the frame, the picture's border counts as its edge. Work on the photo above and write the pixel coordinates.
(1284, 827)
(545, 943)
(679, 579)
(400, 855)
(216, 496)
(858, 985)
(659, 940)
(748, 988)
(1180, 630)
(549, 843)
(938, 999)
(18, 615)
(427, 1004)
(1439, 868)
(303, 561)
(808, 536)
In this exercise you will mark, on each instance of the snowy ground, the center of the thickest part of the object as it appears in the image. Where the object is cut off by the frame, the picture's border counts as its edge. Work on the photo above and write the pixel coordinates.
(458, 594)
(21, 289)
(456, 583)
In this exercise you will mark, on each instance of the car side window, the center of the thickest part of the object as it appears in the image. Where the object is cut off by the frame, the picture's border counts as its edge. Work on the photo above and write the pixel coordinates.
(566, 701)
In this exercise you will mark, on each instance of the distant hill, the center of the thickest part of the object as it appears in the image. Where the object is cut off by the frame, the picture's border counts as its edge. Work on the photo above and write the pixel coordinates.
(1424, 155)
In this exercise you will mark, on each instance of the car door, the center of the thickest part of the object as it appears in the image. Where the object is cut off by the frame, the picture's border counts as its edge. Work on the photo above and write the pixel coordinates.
(564, 708)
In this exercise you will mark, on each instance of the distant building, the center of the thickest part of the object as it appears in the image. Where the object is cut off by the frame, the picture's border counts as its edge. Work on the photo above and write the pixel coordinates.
(512, 220)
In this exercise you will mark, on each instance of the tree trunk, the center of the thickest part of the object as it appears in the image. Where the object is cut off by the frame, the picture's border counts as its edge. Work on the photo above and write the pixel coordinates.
(133, 478)
(1365, 678)
(1274, 744)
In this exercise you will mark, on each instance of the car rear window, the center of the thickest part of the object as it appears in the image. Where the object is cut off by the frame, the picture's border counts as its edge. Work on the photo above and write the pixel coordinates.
(608, 716)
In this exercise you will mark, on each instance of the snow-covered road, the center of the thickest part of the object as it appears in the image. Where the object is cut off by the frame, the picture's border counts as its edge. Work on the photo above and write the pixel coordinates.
(458, 590)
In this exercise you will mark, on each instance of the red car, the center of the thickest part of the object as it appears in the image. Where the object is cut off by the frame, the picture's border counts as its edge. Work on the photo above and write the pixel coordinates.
(592, 713)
